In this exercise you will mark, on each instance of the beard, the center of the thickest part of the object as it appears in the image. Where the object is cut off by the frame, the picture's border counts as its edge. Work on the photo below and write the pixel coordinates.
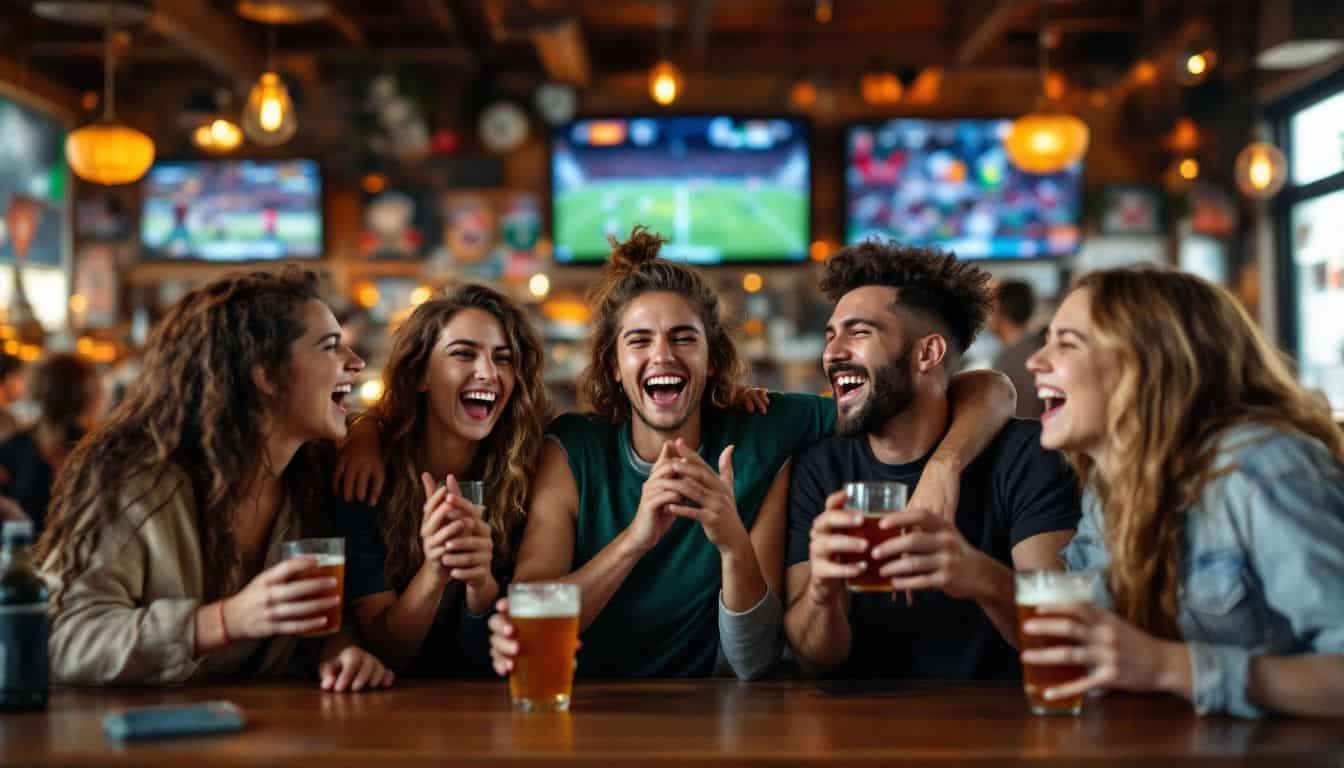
(893, 390)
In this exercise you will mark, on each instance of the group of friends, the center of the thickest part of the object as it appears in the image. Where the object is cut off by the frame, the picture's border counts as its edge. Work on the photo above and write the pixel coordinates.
(701, 518)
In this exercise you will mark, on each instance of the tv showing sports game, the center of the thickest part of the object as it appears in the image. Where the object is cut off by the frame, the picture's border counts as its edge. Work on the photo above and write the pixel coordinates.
(720, 189)
(232, 210)
(949, 183)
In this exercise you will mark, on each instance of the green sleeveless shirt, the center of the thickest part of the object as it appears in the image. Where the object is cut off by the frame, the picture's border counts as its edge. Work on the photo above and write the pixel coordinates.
(663, 620)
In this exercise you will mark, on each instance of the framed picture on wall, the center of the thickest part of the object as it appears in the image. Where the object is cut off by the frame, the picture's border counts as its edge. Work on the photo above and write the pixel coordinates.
(1131, 209)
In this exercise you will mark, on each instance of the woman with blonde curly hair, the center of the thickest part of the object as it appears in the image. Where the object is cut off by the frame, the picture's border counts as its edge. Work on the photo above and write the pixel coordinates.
(1214, 501)
(463, 399)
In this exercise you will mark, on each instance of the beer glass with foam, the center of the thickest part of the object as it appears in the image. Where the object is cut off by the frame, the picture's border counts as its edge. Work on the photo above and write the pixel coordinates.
(545, 619)
(1039, 594)
(330, 556)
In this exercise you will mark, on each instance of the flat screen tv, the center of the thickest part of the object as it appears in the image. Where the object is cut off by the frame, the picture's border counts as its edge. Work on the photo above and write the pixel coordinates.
(948, 183)
(232, 210)
(33, 186)
(721, 189)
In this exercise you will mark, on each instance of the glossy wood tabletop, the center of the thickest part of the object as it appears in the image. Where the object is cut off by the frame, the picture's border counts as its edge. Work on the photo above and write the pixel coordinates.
(666, 722)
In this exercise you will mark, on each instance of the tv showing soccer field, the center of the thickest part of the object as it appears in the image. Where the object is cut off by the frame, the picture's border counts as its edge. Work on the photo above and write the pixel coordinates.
(721, 189)
(232, 210)
(949, 183)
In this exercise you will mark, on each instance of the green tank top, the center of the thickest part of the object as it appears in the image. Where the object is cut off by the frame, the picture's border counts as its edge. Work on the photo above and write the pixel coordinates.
(663, 620)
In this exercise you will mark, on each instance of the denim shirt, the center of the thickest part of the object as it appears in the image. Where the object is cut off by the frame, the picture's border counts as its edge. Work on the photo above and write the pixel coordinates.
(1263, 561)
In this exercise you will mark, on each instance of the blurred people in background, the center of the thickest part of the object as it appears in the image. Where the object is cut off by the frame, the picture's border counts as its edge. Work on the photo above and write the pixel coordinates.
(1214, 502)
(355, 323)
(1010, 321)
(69, 393)
(13, 386)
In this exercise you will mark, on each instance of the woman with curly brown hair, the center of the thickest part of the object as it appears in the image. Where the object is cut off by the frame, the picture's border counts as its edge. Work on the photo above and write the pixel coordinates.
(463, 399)
(1214, 501)
(164, 534)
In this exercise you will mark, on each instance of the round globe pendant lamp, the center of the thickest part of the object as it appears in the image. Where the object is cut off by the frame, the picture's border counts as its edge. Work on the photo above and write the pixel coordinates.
(107, 152)
(1046, 140)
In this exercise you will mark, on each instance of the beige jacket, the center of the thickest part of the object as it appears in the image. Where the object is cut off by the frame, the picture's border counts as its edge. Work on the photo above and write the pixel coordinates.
(130, 616)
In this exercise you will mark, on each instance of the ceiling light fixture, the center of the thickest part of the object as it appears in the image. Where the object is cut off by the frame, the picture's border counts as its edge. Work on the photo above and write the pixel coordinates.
(1047, 140)
(107, 152)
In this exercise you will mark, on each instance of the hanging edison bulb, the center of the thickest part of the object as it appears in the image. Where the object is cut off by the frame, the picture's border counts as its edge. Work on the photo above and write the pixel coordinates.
(664, 83)
(268, 118)
(1261, 170)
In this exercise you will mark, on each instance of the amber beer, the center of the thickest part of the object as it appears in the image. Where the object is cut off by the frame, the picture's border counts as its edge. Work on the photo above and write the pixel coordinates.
(545, 619)
(874, 501)
(1040, 594)
(330, 556)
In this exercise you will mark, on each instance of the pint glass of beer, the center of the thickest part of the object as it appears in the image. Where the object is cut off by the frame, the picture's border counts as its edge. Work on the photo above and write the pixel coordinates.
(1038, 593)
(874, 501)
(546, 624)
(330, 555)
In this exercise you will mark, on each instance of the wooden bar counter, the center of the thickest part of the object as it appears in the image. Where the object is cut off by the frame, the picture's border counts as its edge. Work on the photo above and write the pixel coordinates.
(719, 722)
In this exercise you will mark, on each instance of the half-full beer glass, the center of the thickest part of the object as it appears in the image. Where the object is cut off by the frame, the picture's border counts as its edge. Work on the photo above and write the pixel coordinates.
(546, 624)
(874, 501)
(1039, 593)
(330, 555)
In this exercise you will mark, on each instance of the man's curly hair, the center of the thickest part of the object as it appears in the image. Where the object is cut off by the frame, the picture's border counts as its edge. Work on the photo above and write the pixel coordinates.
(956, 294)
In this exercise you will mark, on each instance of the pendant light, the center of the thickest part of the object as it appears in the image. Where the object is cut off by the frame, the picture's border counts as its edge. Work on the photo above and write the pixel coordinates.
(268, 118)
(107, 152)
(218, 134)
(665, 81)
(1261, 169)
(1046, 140)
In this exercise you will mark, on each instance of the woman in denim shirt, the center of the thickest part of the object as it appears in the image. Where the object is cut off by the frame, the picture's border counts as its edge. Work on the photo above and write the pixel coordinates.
(1214, 501)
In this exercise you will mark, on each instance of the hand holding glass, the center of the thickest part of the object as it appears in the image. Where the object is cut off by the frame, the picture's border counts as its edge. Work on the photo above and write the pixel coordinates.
(330, 556)
(545, 620)
(1037, 593)
(874, 501)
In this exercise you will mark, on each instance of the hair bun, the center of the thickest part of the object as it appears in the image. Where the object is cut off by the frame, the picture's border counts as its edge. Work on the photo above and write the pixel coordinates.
(642, 247)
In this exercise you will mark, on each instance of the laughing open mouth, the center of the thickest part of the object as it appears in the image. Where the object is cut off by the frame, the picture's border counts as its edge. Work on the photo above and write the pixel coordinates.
(846, 383)
(1054, 399)
(664, 388)
(339, 394)
(478, 403)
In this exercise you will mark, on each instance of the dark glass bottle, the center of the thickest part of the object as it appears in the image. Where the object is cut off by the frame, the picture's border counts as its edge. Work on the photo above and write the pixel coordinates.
(24, 626)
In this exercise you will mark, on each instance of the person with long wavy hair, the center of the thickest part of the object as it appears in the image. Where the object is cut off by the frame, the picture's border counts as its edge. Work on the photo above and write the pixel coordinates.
(463, 398)
(666, 501)
(1214, 501)
(163, 537)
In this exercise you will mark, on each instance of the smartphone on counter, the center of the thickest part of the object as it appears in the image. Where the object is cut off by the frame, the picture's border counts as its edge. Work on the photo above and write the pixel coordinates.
(174, 721)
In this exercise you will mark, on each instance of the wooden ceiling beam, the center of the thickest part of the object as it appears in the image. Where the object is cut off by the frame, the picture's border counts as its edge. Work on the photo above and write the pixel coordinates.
(347, 28)
(698, 22)
(449, 56)
(987, 28)
(439, 14)
(19, 82)
(215, 39)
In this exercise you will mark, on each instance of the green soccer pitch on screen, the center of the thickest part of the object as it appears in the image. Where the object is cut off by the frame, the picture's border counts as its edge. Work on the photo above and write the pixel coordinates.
(720, 189)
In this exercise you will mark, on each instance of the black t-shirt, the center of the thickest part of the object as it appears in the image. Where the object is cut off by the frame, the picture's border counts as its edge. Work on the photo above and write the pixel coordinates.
(1013, 491)
(457, 644)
